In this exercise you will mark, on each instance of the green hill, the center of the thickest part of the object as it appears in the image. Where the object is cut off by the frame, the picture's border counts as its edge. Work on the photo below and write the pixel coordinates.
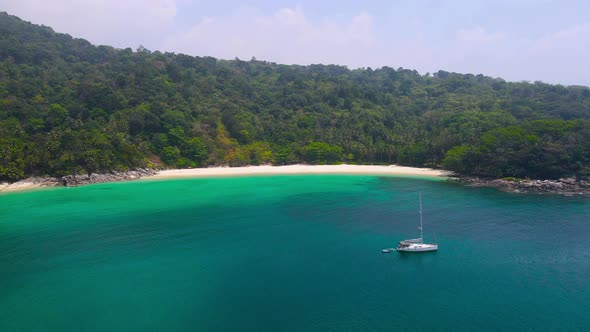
(67, 106)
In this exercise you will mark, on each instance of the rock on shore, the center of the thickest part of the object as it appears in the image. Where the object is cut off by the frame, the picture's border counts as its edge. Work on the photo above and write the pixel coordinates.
(77, 180)
(561, 186)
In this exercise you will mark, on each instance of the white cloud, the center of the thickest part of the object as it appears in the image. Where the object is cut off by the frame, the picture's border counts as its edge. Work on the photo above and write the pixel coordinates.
(286, 36)
(474, 50)
(574, 36)
(554, 57)
(563, 53)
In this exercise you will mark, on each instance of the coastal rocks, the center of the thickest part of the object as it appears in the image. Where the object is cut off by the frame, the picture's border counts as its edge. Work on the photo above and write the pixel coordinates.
(77, 180)
(43, 181)
(561, 186)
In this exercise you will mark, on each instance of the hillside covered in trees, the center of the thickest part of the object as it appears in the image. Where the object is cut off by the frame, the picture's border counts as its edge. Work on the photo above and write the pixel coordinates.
(67, 106)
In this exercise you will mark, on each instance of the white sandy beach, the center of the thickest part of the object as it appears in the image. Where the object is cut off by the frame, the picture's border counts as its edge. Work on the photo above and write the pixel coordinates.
(20, 185)
(264, 170)
(301, 169)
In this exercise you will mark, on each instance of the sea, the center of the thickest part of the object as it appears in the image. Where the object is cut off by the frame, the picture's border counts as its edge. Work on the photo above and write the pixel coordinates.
(292, 253)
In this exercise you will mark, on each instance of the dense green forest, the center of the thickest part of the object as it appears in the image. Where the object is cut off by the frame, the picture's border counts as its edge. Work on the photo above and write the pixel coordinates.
(67, 106)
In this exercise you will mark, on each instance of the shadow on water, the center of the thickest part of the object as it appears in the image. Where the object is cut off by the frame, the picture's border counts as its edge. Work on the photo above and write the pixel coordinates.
(416, 256)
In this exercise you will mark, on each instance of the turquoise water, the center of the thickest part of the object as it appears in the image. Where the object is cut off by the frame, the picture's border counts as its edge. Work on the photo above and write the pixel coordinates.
(291, 253)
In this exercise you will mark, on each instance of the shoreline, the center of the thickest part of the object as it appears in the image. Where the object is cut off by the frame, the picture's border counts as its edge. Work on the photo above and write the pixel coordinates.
(562, 186)
(77, 180)
(19, 186)
(299, 169)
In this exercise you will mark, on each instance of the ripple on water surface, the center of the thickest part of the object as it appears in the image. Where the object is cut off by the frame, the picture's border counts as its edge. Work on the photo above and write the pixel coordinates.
(291, 253)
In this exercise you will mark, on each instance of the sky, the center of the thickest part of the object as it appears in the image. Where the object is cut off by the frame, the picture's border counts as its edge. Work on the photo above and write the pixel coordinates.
(517, 40)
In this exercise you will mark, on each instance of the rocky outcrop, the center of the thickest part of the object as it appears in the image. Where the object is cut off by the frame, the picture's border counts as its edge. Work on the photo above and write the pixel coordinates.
(78, 180)
(561, 186)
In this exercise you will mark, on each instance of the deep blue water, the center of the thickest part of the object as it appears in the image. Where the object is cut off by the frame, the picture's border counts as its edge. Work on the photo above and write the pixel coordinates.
(291, 253)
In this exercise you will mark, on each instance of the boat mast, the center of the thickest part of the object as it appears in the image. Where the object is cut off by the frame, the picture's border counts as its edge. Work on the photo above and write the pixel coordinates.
(421, 235)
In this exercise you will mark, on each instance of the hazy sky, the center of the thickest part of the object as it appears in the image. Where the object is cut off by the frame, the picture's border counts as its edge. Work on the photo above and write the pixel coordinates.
(513, 39)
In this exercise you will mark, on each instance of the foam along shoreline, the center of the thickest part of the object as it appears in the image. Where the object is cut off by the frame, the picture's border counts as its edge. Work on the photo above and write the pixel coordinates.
(300, 169)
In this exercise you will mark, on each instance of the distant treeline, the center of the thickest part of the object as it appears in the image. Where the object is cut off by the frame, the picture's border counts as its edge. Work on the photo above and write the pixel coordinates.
(67, 106)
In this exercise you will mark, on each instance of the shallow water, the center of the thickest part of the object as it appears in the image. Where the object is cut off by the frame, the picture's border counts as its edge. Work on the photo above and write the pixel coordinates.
(291, 253)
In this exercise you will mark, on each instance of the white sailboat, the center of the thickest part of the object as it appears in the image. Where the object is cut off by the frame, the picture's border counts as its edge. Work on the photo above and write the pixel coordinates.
(417, 245)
